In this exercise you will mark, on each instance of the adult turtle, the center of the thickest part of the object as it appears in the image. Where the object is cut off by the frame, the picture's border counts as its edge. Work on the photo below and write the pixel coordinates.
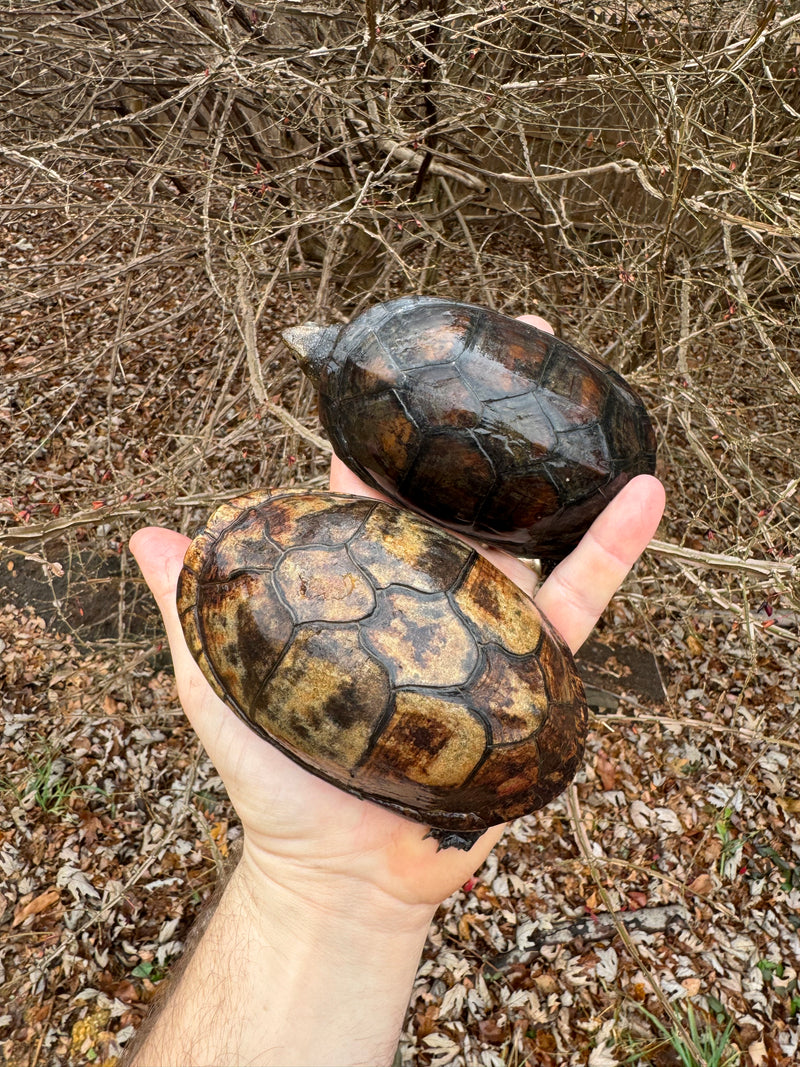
(478, 421)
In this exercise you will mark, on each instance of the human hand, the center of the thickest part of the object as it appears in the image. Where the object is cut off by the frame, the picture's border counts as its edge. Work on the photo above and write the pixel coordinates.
(316, 840)
(311, 952)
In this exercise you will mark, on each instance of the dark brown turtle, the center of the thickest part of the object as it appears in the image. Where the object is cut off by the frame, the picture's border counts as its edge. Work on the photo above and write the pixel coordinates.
(384, 655)
(476, 420)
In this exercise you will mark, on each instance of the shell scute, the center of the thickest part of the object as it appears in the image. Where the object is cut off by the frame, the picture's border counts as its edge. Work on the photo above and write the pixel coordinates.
(624, 423)
(581, 465)
(232, 619)
(308, 521)
(430, 740)
(373, 372)
(575, 384)
(391, 450)
(439, 395)
(498, 342)
(421, 638)
(511, 773)
(557, 753)
(420, 336)
(323, 584)
(324, 697)
(458, 464)
(492, 607)
(489, 380)
(531, 500)
(525, 432)
(563, 688)
(394, 552)
(244, 545)
(511, 695)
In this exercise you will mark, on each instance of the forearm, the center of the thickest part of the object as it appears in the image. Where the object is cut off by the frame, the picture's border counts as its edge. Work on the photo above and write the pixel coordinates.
(280, 980)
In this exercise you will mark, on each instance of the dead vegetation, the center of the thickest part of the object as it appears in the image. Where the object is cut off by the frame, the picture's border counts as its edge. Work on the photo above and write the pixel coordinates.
(179, 181)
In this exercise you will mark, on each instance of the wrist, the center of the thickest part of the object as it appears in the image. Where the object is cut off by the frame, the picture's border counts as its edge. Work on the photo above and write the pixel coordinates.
(312, 900)
(345, 956)
(307, 968)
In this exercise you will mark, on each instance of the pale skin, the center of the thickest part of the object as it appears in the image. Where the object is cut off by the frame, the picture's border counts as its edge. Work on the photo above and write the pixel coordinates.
(311, 954)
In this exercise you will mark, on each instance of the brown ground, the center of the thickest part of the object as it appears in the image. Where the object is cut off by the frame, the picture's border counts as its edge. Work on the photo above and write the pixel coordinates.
(126, 399)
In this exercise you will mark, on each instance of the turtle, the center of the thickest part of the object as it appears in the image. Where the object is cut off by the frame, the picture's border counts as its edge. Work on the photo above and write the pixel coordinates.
(480, 422)
(385, 655)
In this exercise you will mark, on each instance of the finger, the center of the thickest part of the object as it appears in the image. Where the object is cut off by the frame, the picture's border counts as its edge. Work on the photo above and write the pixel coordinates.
(538, 322)
(343, 480)
(579, 589)
(160, 553)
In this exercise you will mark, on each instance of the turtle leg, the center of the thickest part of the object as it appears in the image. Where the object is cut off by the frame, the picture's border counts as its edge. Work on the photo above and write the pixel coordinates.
(454, 839)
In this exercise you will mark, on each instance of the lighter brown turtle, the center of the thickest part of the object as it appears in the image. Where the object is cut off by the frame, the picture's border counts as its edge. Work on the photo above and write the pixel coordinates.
(384, 655)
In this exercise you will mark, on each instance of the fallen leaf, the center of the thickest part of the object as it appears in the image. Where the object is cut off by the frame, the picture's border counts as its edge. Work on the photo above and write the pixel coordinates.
(427, 1021)
(467, 921)
(602, 1055)
(606, 770)
(36, 906)
(76, 882)
(607, 963)
(126, 992)
(694, 644)
(492, 1032)
(90, 824)
(701, 885)
(219, 834)
(757, 1053)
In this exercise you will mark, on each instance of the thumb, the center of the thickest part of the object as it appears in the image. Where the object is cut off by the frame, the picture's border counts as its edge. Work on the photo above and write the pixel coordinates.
(160, 553)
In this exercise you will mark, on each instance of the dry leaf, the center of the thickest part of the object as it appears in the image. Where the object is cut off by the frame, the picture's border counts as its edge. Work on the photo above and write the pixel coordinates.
(467, 922)
(607, 963)
(694, 644)
(427, 1021)
(602, 1055)
(219, 834)
(90, 824)
(606, 770)
(492, 1032)
(76, 882)
(757, 1053)
(36, 906)
(701, 885)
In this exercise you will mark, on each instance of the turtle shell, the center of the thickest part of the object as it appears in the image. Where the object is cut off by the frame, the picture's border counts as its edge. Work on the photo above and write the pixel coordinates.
(481, 422)
(384, 655)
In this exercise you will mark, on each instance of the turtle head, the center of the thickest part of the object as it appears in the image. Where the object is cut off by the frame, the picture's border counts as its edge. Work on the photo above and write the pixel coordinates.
(312, 345)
